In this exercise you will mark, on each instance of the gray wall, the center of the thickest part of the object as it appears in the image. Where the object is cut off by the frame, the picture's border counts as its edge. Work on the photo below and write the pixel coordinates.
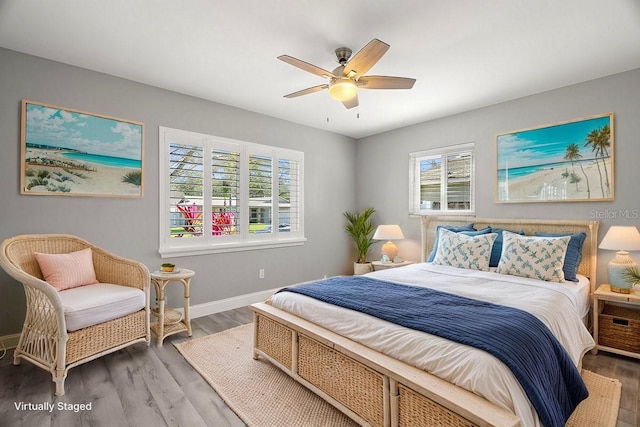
(382, 160)
(130, 227)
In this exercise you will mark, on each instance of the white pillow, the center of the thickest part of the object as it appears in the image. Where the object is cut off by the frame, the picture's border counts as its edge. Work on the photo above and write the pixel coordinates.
(535, 257)
(462, 251)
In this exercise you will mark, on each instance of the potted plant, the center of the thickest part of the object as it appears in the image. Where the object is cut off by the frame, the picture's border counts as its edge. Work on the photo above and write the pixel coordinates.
(632, 276)
(167, 267)
(360, 228)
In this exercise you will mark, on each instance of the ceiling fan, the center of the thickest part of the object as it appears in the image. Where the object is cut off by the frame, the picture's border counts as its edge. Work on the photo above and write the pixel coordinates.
(345, 80)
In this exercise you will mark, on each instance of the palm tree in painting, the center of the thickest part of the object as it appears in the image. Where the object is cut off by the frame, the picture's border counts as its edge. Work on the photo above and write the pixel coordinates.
(574, 178)
(573, 154)
(600, 140)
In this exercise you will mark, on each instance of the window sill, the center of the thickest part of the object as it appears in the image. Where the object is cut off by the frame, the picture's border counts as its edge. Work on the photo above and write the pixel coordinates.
(441, 213)
(232, 247)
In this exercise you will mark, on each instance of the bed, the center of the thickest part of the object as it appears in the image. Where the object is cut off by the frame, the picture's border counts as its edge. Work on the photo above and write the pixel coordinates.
(383, 374)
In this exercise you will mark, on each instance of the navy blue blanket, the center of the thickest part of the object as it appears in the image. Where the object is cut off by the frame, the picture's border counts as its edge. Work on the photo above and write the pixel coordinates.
(518, 339)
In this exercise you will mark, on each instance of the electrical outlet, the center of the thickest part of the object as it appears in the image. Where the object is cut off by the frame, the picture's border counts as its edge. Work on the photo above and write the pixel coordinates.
(261, 273)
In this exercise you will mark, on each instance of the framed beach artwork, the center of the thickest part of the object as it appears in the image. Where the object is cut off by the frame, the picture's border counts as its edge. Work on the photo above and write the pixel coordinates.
(68, 152)
(563, 162)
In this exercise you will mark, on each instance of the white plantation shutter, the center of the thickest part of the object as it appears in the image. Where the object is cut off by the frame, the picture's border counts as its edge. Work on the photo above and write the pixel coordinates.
(186, 186)
(458, 180)
(290, 192)
(442, 180)
(261, 189)
(250, 187)
(430, 185)
(225, 192)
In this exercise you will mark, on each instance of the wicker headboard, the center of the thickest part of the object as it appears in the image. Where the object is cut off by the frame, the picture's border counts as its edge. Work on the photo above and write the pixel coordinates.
(587, 266)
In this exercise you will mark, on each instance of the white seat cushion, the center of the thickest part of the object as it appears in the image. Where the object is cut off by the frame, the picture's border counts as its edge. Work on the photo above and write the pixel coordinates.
(92, 304)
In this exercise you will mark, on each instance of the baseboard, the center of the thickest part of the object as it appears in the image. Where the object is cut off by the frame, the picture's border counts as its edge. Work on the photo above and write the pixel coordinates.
(212, 307)
(9, 341)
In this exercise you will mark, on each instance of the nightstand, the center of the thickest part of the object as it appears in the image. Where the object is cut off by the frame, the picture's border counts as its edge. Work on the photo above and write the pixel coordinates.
(170, 321)
(379, 265)
(616, 322)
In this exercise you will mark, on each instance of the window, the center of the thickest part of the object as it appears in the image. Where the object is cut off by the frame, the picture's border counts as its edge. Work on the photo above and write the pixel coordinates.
(219, 195)
(442, 181)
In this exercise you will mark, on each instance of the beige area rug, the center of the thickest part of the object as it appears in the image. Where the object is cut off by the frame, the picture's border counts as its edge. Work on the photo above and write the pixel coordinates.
(263, 396)
(600, 409)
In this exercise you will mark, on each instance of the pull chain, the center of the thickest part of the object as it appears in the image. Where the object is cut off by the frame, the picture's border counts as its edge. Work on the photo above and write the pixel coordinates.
(326, 107)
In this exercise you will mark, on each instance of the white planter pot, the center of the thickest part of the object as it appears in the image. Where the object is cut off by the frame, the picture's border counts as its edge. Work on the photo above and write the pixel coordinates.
(363, 268)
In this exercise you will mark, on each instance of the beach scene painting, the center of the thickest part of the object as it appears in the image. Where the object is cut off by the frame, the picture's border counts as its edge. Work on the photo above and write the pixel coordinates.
(68, 152)
(569, 161)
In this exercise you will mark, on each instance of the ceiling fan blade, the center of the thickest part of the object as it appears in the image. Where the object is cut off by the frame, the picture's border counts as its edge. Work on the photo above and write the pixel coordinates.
(366, 58)
(307, 91)
(385, 82)
(306, 66)
(350, 103)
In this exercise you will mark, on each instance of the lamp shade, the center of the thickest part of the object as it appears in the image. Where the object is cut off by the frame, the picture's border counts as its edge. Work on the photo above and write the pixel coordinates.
(621, 238)
(388, 232)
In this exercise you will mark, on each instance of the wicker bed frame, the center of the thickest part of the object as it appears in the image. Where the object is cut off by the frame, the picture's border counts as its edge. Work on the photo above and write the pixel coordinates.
(375, 389)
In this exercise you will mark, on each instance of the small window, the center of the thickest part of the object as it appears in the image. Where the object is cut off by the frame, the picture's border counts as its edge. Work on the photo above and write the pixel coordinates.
(219, 195)
(442, 181)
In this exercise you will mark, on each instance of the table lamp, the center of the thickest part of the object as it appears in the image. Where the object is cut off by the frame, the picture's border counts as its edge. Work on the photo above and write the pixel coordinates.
(389, 233)
(621, 239)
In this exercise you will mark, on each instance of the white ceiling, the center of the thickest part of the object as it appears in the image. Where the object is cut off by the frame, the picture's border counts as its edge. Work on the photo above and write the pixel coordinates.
(465, 54)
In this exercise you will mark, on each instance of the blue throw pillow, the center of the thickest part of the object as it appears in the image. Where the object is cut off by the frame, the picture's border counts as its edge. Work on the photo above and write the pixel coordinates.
(456, 229)
(496, 250)
(574, 253)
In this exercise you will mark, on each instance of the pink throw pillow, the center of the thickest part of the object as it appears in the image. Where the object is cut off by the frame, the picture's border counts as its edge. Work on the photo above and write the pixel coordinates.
(66, 271)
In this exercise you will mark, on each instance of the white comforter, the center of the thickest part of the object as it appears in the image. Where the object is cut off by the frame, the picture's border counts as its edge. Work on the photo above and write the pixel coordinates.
(560, 306)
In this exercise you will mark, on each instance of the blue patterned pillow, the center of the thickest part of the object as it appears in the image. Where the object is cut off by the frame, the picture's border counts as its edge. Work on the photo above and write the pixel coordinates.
(535, 257)
(462, 251)
(574, 253)
(468, 228)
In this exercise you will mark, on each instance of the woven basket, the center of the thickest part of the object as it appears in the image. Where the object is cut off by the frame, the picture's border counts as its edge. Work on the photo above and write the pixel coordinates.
(619, 327)
(415, 410)
(354, 385)
(275, 340)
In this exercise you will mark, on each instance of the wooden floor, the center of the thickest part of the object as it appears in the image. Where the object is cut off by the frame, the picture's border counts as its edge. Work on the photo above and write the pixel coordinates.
(156, 387)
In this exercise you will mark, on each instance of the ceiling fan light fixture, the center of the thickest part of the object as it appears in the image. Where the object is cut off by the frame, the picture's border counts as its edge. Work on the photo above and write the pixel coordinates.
(350, 75)
(343, 89)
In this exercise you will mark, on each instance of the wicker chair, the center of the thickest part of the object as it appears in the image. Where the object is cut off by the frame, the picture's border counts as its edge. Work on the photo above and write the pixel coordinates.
(45, 340)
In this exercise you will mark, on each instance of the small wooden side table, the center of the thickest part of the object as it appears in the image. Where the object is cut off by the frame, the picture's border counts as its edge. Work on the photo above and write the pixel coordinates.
(170, 321)
(621, 333)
